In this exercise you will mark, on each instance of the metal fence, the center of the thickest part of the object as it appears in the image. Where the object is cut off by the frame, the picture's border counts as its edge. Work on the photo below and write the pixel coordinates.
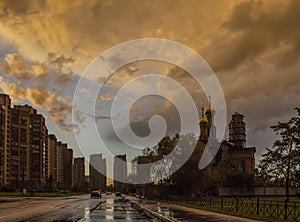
(288, 210)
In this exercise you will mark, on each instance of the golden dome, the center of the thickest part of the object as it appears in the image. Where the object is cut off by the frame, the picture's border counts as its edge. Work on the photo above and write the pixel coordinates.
(209, 110)
(237, 114)
(203, 120)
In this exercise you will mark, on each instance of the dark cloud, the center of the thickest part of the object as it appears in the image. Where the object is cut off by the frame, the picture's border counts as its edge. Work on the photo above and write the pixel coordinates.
(253, 28)
(63, 79)
(59, 61)
(102, 117)
(106, 97)
(140, 114)
(15, 7)
(253, 46)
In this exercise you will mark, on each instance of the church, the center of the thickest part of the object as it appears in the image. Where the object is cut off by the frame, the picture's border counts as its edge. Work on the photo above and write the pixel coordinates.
(233, 158)
(233, 155)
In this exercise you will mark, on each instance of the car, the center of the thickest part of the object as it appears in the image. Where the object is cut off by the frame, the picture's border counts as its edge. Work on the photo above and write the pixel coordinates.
(95, 194)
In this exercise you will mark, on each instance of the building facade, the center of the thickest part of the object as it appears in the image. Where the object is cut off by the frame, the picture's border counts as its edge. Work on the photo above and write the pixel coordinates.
(79, 173)
(52, 157)
(98, 170)
(68, 181)
(28, 155)
(20, 150)
(233, 155)
(64, 166)
(28, 147)
(120, 172)
(5, 134)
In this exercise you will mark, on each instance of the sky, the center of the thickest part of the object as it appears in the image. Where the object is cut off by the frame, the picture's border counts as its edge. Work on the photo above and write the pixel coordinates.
(252, 46)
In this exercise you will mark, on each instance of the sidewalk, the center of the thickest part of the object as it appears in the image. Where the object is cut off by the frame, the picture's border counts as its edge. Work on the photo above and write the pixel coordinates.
(181, 213)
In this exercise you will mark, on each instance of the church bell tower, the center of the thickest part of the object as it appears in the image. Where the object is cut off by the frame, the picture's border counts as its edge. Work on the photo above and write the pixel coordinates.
(237, 131)
(204, 129)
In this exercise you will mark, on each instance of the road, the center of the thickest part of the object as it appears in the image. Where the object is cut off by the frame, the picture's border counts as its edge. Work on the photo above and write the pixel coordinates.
(108, 208)
(63, 209)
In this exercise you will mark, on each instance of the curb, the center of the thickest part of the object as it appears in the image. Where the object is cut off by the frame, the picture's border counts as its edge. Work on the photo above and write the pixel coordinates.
(152, 213)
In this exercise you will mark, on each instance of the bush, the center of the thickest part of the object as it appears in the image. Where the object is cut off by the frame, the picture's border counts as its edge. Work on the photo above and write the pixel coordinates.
(6, 189)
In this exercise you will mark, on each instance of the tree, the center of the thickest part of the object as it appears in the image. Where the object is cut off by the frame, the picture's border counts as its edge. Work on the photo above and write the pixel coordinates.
(187, 179)
(49, 183)
(281, 165)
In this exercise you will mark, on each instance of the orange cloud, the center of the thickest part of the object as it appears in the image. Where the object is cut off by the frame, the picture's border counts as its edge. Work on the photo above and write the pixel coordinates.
(58, 108)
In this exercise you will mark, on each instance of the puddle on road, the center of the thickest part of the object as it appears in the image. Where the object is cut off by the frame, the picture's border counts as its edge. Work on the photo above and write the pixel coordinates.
(109, 209)
(114, 209)
(87, 213)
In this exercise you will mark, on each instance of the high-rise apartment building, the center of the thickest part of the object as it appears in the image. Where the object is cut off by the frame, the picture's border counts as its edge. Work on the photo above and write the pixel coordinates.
(68, 168)
(64, 165)
(38, 142)
(79, 173)
(97, 169)
(120, 172)
(28, 157)
(60, 172)
(103, 178)
(52, 157)
(20, 147)
(5, 134)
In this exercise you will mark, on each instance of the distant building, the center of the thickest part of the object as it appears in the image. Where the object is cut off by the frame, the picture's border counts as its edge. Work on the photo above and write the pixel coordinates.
(96, 166)
(52, 157)
(79, 173)
(120, 172)
(65, 166)
(69, 170)
(233, 154)
(103, 178)
(60, 168)
(87, 179)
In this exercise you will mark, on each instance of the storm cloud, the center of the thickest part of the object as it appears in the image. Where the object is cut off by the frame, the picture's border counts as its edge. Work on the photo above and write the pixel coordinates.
(253, 47)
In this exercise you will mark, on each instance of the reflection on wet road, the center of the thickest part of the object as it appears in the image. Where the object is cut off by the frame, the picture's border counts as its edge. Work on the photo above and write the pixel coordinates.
(108, 208)
(67, 209)
(115, 209)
